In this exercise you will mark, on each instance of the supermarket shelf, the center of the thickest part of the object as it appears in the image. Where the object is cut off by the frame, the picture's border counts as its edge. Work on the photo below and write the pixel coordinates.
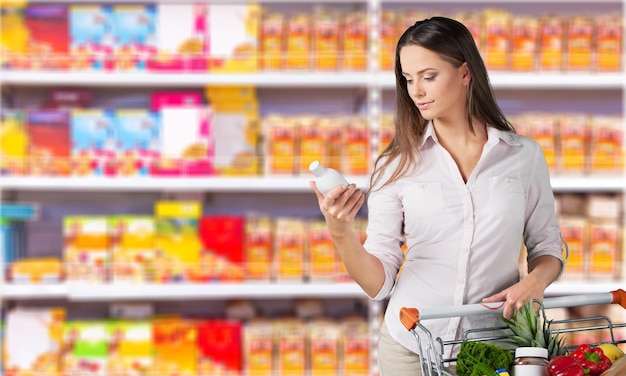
(247, 184)
(536, 80)
(169, 292)
(210, 184)
(179, 79)
(541, 80)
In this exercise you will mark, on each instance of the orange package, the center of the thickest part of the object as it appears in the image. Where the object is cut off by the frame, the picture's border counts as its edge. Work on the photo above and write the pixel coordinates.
(388, 39)
(609, 36)
(259, 247)
(524, 34)
(551, 42)
(175, 346)
(298, 41)
(573, 129)
(326, 40)
(312, 142)
(579, 43)
(272, 44)
(358, 143)
(355, 41)
(497, 40)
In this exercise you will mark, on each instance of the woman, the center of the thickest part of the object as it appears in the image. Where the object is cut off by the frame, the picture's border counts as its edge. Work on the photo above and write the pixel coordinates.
(459, 187)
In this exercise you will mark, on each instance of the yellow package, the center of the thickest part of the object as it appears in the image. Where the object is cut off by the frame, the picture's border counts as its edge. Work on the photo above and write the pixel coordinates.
(358, 143)
(259, 247)
(224, 95)
(299, 42)
(573, 130)
(130, 348)
(14, 36)
(291, 346)
(289, 246)
(355, 346)
(388, 40)
(133, 248)
(324, 336)
(524, 33)
(355, 41)
(497, 38)
(272, 35)
(326, 40)
(36, 270)
(312, 142)
(175, 346)
(280, 134)
(335, 142)
(177, 242)
(574, 231)
(258, 349)
(579, 42)
(609, 37)
(13, 143)
(86, 253)
(542, 128)
(322, 253)
(551, 42)
(604, 249)
(607, 154)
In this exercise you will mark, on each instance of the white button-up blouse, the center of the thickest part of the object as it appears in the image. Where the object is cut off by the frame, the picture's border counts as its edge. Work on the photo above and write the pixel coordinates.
(463, 239)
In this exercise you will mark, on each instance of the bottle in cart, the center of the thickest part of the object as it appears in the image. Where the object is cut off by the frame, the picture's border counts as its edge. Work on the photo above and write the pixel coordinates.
(326, 178)
(530, 361)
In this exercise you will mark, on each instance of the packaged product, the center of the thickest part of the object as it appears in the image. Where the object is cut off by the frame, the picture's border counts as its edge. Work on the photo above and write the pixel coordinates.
(609, 39)
(49, 142)
(13, 142)
(524, 35)
(222, 238)
(133, 248)
(220, 344)
(358, 141)
(388, 40)
(291, 349)
(312, 141)
(85, 348)
(497, 47)
(259, 251)
(606, 140)
(134, 29)
(355, 345)
(93, 142)
(579, 36)
(326, 40)
(33, 341)
(239, 52)
(272, 40)
(258, 347)
(290, 249)
(355, 41)
(86, 253)
(138, 141)
(324, 351)
(551, 42)
(574, 148)
(130, 347)
(49, 41)
(322, 262)
(574, 230)
(281, 138)
(91, 37)
(299, 41)
(175, 346)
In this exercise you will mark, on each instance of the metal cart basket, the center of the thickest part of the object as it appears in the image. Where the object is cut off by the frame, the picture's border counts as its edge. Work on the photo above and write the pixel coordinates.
(431, 350)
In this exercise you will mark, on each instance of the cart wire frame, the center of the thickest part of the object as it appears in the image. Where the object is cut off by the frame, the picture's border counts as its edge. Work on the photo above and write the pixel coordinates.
(431, 349)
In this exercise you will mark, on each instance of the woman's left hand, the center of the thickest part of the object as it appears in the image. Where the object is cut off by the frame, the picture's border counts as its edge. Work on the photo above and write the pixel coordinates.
(516, 296)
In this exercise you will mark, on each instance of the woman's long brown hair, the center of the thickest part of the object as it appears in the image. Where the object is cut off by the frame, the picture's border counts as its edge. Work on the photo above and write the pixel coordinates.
(454, 43)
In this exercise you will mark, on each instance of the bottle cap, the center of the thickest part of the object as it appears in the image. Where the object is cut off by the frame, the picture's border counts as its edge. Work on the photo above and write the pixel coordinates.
(537, 352)
(316, 168)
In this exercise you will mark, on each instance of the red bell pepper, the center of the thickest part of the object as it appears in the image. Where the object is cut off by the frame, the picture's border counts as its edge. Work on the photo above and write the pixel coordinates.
(564, 365)
(591, 359)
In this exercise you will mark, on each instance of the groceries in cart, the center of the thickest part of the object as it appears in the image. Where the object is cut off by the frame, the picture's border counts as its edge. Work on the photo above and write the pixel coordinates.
(527, 344)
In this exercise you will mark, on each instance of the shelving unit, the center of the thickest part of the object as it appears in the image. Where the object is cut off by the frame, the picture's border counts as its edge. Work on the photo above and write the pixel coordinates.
(376, 84)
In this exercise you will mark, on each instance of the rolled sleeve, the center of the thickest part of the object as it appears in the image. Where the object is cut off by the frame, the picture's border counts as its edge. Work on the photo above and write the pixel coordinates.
(384, 235)
(542, 235)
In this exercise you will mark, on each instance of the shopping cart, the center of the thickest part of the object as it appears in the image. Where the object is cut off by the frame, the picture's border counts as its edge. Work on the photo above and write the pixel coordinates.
(431, 350)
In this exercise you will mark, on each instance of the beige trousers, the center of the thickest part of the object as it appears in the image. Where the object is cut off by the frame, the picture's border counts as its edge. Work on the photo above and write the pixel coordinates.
(396, 360)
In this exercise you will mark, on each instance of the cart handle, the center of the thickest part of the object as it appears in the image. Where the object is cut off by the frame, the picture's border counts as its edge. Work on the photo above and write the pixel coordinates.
(411, 316)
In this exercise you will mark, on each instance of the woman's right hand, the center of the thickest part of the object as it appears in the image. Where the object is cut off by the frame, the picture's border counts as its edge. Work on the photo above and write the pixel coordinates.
(339, 206)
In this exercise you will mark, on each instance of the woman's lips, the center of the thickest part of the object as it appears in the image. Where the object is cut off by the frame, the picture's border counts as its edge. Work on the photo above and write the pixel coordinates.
(423, 105)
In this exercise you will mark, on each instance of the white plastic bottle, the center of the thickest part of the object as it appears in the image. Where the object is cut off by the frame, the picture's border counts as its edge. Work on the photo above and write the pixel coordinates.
(326, 178)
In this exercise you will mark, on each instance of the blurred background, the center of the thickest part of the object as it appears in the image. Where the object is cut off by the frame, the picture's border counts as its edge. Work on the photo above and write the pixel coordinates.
(155, 210)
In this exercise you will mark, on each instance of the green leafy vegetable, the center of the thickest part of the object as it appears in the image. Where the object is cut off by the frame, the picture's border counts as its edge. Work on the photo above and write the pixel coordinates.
(491, 355)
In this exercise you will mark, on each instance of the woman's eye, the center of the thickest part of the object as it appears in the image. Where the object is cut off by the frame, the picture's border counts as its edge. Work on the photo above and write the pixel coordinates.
(429, 78)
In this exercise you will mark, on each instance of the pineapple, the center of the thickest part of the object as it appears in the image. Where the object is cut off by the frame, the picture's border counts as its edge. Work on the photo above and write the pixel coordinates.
(530, 329)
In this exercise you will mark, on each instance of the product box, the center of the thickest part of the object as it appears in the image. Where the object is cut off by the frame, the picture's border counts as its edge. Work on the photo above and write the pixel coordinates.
(86, 248)
(133, 248)
(175, 346)
(604, 249)
(177, 241)
(609, 37)
(606, 140)
(335, 148)
(173, 98)
(13, 142)
(324, 352)
(49, 146)
(497, 33)
(355, 346)
(130, 347)
(312, 142)
(187, 145)
(579, 36)
(574, 136)
(222, 237)
(388, 40)
(85, 348)
(281, 137)
(290, 249)
(291, 346)
(326, 40)
(181, 37)
(322, 261)
(220, 344)
(33, 341)
(299, 42)
(272, 34)
(258, 347)
(239, 52)
(551, 42)
(93, 142)
(543, 129)
(524, 35)
(138, 141)
(92, 41)
(36, 270)
(355, 41)
(358, 141)
(574, 231)
(134, 29)
(259, 251)
(13, 39)
(49, 40)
